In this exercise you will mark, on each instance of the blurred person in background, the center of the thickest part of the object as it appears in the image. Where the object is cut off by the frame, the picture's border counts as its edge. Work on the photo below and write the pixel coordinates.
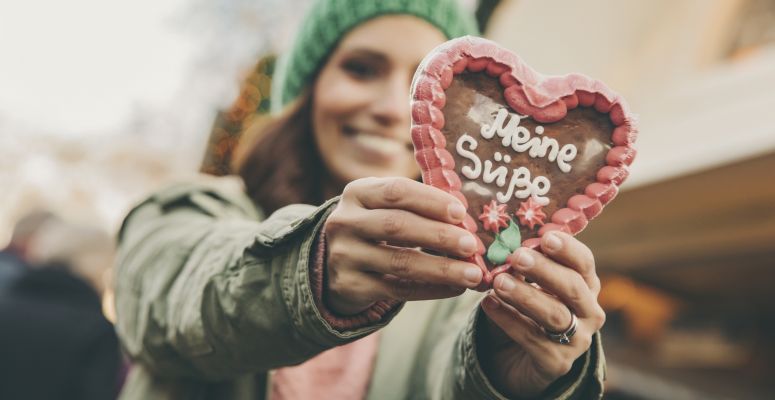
(55, 342)
(13, 257)
(300, 280)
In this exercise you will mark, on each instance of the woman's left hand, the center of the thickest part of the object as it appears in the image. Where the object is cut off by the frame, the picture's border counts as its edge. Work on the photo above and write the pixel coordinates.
(514, 349)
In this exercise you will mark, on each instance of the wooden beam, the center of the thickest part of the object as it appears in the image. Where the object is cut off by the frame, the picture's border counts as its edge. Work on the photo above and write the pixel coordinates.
(720, 221)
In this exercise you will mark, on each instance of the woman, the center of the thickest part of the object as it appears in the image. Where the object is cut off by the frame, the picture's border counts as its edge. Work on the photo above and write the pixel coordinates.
(217, 300)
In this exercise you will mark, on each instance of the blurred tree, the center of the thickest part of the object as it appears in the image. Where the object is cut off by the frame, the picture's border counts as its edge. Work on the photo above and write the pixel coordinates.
(253, 101)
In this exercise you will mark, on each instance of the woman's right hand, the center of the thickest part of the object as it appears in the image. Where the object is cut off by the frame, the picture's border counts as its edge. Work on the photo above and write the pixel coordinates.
(374, 237)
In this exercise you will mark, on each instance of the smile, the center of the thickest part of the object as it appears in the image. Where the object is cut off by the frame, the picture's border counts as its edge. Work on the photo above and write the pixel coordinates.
(376, 144)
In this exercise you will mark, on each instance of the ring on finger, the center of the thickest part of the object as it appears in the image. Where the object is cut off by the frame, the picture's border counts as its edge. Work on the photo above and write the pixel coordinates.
(565, 336)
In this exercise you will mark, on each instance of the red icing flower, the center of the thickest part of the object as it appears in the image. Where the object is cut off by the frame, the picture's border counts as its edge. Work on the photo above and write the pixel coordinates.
(494, 217)
(530, 213)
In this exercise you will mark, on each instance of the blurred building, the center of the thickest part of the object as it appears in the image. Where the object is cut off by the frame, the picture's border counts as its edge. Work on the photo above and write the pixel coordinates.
(687, 251)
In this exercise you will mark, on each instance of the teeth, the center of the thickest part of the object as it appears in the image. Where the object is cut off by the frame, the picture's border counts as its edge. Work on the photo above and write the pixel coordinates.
(379, 143)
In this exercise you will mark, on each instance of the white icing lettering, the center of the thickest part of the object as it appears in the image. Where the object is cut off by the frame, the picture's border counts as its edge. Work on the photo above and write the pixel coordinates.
(518, 138)
(540, 149)
(520, 186)
(499, 175)
(536, 188)
(567, 154)
(469, 172)
(488, 131)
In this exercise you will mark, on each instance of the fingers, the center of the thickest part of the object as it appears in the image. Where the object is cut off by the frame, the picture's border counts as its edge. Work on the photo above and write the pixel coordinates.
(563, 282)
(527, 332)
(553, 359)
(365, 288)
(409, 195)
(362, 268)
(539, 306)
(526, 312)
(395, 288)
(409, 229)
(402, 211)
(569, 251)
(413, 264)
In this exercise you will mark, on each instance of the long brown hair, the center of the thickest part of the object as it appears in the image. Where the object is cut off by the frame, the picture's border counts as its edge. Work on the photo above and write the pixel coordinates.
(282, 165)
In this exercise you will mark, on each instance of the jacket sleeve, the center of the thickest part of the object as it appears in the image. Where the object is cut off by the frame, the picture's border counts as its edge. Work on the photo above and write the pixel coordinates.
(457, 373)
(204, 290)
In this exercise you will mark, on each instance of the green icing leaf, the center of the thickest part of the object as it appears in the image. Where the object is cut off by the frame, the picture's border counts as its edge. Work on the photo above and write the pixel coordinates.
(497, 252)
(511, 237)
(504, 244)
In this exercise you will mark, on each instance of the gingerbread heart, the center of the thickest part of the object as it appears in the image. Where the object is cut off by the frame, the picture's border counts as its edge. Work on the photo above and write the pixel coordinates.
(526, 153)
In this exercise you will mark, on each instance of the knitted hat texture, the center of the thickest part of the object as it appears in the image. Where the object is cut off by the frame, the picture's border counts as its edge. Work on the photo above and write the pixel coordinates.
(329, 20)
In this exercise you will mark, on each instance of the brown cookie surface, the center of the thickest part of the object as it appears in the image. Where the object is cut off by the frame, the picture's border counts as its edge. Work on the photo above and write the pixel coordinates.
(473, 100)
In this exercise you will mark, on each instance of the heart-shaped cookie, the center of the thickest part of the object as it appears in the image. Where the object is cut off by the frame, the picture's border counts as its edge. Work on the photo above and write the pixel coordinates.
(526, 153)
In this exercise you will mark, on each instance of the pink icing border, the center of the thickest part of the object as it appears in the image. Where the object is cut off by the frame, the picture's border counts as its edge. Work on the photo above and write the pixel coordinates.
(545, 98)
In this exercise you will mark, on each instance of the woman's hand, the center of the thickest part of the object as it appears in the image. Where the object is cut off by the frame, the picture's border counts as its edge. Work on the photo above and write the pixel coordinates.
(515, 352)
(373, 239)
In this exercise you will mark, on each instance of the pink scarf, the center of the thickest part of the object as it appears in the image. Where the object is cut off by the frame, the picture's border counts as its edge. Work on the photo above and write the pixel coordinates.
(341, 373)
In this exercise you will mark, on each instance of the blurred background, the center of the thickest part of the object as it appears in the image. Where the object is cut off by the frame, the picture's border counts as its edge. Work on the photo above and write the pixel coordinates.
(104, 101)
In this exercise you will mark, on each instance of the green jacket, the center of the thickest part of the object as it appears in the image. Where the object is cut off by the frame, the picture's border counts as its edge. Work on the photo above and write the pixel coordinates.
(211, 296)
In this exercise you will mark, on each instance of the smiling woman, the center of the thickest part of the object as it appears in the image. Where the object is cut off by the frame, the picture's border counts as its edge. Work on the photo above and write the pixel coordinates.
(360, 104)
(359, 121)
(322, 251)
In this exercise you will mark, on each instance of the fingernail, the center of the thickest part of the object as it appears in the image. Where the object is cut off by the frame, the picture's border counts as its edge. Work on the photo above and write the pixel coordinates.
(504, 282)
(473, 274)
(524, 260)
(456, 211)
(467, 244)
(490, 303)
(552, 242)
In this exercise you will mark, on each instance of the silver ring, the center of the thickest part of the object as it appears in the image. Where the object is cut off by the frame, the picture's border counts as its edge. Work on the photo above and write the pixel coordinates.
(564, 337)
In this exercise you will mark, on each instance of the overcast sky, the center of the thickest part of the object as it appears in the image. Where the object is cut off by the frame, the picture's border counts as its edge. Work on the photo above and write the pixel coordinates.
(80, 66)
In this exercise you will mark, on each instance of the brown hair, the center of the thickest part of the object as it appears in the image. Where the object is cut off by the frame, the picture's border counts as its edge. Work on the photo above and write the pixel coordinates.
(282, 165)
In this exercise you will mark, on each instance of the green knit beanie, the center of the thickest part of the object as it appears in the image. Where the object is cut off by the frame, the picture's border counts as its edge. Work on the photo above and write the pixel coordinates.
(329, 20)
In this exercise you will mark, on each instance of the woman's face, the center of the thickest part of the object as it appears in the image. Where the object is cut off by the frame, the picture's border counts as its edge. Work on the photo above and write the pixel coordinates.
(361, 98)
